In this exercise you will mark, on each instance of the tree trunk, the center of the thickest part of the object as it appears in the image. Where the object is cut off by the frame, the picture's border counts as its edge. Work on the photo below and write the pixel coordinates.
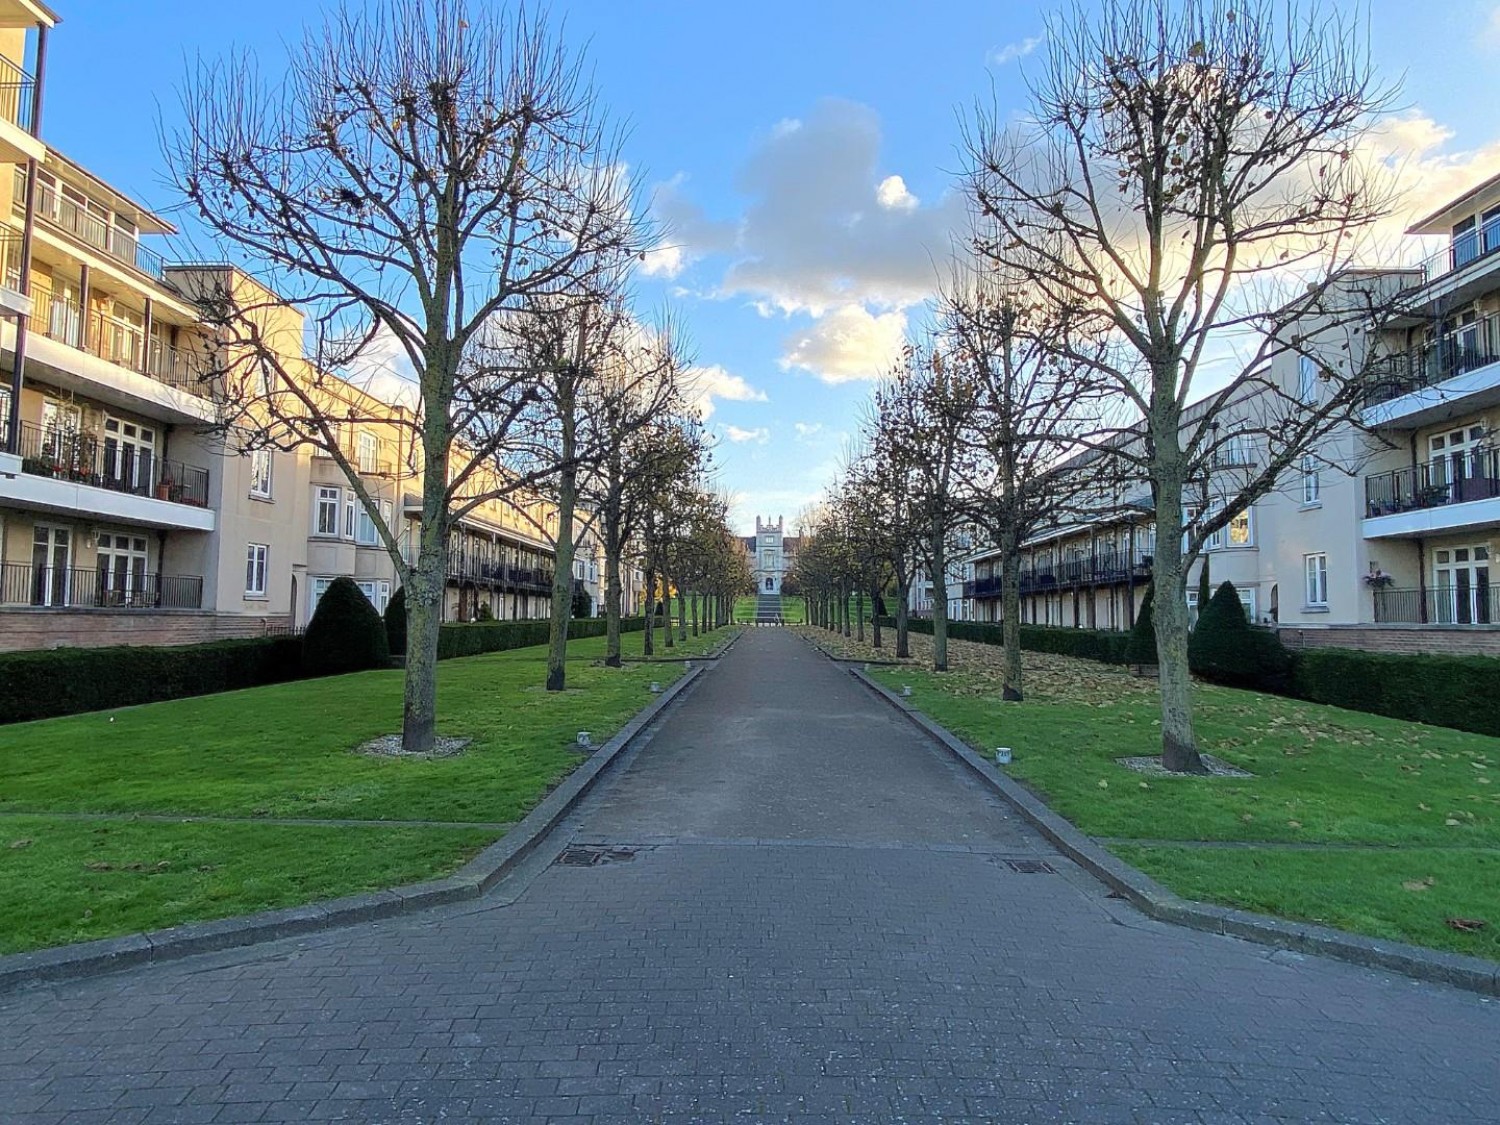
(613, 593)
(1179, 750)
(859, 614)
(682, 612)
(694, 600)
(424, 595)
(1010, 613)
(666, 610)
(903, 619)
(562, 573)
(939, 598)
(649, 640)
(874, 621)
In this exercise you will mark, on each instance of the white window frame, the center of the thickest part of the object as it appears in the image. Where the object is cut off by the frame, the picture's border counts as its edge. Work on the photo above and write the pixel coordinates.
(1312, 483)
(260, 474)
(1315, 580)
(367, 451)
(326, 500)
(351, 507)
(366, 534)
(1308, 371)
(1248, 516)
(257, 569)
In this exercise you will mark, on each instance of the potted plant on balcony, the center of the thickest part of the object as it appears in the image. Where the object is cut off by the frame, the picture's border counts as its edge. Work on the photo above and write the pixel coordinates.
(1377, 579)
(164, 487)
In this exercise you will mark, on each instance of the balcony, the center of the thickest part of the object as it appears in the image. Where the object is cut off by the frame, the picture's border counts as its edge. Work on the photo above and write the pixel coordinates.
(487, 571)
(55, 587)
(17, 101)
(93, 229)
(1104, 568)
(1443, 495)
(1446, 605)
(1458, 356)
(85, 459)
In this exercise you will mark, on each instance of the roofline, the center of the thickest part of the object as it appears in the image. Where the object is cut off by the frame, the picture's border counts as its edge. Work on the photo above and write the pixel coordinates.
(1474, 191)
(104, 186)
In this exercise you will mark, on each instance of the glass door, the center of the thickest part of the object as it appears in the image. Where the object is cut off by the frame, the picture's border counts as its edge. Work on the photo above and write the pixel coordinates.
(122, 570)
(1461, 586)
(50, 550)
(129, 457)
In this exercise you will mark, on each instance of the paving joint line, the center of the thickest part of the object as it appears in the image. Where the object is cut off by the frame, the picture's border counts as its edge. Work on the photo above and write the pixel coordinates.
(1474, 974)
(600, 841)
(472, 881)
(1293, 845)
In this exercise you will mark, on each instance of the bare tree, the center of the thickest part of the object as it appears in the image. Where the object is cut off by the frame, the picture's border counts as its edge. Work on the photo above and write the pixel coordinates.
(422, 167)
(1033, 408)
(922, 417)
(1191, 173)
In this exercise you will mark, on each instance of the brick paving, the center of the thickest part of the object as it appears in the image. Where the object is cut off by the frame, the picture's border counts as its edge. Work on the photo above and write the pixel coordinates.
(789, 907)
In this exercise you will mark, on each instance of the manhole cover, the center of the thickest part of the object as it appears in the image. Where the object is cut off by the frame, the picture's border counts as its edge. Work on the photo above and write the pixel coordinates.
(1030, 866)
(593, 857)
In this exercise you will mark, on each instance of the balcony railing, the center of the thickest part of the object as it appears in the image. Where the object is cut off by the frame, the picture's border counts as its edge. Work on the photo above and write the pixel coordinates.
(90, 227)
(1436, 484)
(1469, 348)
(85, 458)
(16, 94)
(64, 587)
(1464, 250)
(1477, 604)
(1103, 568)
(469, 568)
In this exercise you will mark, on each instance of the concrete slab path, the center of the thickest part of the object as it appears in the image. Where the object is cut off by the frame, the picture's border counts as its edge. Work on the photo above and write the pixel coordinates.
(788, 907)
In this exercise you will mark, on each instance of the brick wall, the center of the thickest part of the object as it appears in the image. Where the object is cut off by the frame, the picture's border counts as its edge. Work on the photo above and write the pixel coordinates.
(31, 629)
(1396, 638)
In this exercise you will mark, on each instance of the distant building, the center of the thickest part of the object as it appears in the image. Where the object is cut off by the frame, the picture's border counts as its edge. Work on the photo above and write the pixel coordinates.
(771, 553)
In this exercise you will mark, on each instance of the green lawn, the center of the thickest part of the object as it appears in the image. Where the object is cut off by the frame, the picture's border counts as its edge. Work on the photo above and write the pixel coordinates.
(283, 752)
(1425, 800)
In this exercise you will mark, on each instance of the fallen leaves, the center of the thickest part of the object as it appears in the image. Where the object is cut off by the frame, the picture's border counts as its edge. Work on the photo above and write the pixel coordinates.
(1466, 925)
(1419, 884)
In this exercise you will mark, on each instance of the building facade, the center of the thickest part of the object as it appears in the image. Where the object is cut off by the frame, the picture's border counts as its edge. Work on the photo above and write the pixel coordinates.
(1380, 538)
(771, 554)
(130, 513)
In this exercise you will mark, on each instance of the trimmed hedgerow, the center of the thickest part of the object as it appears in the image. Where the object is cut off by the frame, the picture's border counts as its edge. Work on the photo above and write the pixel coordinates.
(501, 636)
(1105, 645)
(346, 634)
(1226, 649)
(66, 681)
(1444, 691)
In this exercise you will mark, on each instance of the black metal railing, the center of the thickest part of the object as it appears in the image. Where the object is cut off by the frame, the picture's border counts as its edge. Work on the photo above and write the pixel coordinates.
(16, 94)
(1469, 348)
(103, 587)
(1477, 604)
(88, 225)
(1102, 568)
(468, 568)
(86, 458)
(1435, 484)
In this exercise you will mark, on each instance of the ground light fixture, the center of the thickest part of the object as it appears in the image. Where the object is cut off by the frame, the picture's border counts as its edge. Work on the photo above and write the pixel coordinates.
(1002, 756)
(655, 687)
(906, 690)
(585, 739)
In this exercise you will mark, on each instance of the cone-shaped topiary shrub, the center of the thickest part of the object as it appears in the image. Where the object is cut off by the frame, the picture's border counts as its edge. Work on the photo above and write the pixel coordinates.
(395, 623)
(1141, 648)
(1226, 649)
(345, 633)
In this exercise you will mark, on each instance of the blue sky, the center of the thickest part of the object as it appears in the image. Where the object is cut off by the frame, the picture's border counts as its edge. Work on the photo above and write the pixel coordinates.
(803, 154)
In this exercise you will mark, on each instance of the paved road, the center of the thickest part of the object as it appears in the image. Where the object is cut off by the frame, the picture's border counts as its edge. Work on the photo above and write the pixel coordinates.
(811, 916)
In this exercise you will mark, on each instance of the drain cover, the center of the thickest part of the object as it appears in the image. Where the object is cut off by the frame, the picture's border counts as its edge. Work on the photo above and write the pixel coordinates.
(1030, 866)
(593, 857)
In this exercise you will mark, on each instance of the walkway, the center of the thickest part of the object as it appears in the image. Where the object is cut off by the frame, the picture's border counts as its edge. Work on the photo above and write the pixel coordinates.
(788, 907)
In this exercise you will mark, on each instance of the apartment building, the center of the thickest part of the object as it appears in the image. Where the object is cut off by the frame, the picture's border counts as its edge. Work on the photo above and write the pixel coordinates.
(1381, 538)
(130, 513)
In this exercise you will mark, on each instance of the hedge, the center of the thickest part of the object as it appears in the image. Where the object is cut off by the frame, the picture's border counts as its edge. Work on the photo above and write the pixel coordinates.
(1104, 645)
(501, 636)
(346, 633)
(65, 681)
(1444, 691)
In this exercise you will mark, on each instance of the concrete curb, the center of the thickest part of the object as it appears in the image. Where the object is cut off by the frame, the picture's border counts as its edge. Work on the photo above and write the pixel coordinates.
(480, 874)
(1151, 898)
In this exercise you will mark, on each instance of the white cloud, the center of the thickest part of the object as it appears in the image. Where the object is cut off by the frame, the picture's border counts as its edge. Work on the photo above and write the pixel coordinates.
(894, 196)
(705, 384)
(740, 437)
(384, 370)
(1013, 51)
(807, 430)
(687, 232)
(848, 344)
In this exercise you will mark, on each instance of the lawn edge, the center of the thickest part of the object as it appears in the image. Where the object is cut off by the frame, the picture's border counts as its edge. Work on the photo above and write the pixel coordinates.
(61, 963)
(1473, 974)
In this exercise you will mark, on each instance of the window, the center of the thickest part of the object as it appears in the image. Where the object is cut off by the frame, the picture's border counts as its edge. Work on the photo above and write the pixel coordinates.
(379, 593)
(1192, 604)
(129, 456)
(260, 474)
(366, 534)
(1465, 246)
(368, 452)
(257, 556)
(1312, 486)
(1315, 571)
(1307, 388)
(326, 512)
(1247, 599)
(351, 505)
(122, 570)
(1238, 532)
